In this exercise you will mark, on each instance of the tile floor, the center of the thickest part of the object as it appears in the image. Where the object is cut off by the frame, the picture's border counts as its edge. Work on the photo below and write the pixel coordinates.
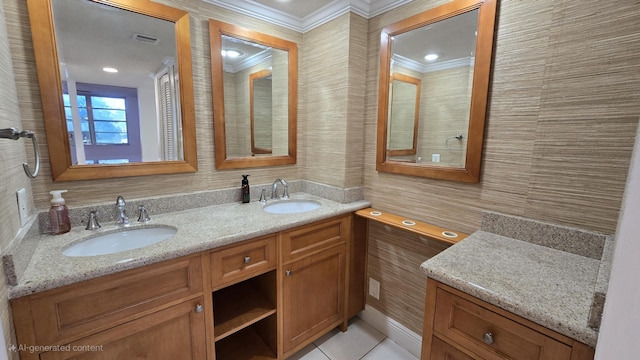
(360, 341)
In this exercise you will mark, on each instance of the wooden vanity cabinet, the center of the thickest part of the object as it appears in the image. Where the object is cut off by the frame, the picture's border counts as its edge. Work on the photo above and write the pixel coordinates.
(263, 298)
(312, 269)
(245, 315)
(132, 314)
(462, 327)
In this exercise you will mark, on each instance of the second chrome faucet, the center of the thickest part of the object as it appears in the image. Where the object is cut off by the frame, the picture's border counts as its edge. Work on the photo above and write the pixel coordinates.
(274, 190)
(122, 215)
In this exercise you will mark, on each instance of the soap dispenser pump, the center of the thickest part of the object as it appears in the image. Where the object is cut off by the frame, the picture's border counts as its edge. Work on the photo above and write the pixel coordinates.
(246, 195)
(58, 214)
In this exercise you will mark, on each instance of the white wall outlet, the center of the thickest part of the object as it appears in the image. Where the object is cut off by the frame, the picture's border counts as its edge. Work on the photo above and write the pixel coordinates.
(435, 157)
(374, 288)
(21, 196)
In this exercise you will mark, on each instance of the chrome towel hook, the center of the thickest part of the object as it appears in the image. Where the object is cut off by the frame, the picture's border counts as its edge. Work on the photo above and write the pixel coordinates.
(15, 134)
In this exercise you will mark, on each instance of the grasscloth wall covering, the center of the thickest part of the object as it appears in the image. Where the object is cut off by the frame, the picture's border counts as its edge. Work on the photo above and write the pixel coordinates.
(12, 177)
(564, 107)
(332, 81)
(207, 178)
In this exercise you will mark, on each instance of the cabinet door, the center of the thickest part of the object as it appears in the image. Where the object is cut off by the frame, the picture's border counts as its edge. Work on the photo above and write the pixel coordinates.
(440, 350)
(177, 332)
(313, 296)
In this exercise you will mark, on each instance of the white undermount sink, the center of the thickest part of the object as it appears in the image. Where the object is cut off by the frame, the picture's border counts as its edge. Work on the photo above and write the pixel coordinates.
(120, 241)
(291, 206)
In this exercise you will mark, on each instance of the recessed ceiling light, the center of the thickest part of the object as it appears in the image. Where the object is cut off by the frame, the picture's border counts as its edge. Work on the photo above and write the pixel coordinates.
(431, 57)
(231, 53)
(109, 69)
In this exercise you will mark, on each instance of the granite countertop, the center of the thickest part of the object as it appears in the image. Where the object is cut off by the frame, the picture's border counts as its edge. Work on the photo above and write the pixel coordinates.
(199, 229)
(551, 287)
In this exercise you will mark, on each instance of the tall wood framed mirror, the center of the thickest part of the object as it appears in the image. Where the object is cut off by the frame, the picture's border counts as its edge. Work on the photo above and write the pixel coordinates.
(449, 49)
(116, 87)
(255, 114)
(404, 116)
(261, 112)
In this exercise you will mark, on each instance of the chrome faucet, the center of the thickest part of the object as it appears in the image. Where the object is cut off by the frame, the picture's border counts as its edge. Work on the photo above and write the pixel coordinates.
(92, 223)
(122, 215)
(143, 214)
(274, 190)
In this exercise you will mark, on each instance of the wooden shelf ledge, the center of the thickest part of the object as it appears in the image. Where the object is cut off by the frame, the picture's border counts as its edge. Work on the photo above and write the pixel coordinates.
(415, 226)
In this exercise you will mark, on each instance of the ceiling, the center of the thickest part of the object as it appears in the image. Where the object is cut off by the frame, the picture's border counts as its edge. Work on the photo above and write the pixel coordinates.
(304, 15)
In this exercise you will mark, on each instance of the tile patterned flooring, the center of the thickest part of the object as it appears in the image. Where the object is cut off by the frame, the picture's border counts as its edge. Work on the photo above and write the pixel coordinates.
(360, 341)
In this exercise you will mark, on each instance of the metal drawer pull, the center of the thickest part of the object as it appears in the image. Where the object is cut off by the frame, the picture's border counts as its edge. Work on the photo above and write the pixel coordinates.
(247, 259)
(288, 272)
(488, 338)
(199, 308)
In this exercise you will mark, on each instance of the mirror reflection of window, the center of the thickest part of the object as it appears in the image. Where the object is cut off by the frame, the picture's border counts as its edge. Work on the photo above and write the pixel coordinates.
(107, 123)
(121, 66)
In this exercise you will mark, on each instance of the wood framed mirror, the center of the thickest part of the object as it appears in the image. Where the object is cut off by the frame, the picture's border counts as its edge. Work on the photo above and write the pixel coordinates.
(239, 59)
(404, 115)
(138, 118)
(449, 48)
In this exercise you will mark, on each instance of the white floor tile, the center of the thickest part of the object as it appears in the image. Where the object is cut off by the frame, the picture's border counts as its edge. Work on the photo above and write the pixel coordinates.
(388, 349)
(310, 352)
(353, 344)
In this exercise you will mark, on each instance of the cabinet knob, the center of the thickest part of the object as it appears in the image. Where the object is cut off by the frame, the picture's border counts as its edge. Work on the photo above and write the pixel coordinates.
(247, 259)
(288, 272)
(199, 308)
(488, 338)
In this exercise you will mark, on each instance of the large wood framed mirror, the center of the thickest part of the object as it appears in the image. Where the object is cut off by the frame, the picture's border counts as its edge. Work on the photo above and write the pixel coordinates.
(255, 89)
(116, 87)
(449, 50)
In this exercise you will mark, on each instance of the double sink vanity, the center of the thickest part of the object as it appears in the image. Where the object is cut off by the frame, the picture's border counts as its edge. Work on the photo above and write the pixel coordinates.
(229, 281)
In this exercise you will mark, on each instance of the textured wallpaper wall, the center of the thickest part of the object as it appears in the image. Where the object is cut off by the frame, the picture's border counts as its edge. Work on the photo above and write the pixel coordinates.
(563, 110)
(12, 176)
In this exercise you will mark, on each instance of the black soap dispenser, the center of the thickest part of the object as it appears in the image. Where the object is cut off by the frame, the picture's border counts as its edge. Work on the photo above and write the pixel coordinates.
(246, 195)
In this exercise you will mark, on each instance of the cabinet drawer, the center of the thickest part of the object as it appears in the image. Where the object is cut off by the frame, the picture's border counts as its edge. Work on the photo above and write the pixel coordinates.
(490, 335)
(91, 306)
(243, 261)
(308, 239)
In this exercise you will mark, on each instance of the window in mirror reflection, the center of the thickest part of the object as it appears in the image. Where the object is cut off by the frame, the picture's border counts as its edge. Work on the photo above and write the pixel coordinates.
(119, 76)
(445, 85)
(255, 99)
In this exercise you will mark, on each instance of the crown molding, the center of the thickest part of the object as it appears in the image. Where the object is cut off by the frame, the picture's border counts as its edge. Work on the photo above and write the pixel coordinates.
(334, 9)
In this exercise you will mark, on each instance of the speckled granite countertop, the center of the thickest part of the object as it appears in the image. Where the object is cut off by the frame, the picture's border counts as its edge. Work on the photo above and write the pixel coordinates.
(551, 287)
(199, 229)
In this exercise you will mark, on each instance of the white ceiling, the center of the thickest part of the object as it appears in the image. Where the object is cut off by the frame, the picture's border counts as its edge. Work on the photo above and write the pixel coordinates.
(304, 15)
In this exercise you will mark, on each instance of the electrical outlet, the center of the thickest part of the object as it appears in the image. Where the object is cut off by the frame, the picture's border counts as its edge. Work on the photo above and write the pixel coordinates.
(374, 288)
(21, 196)
(435, 157)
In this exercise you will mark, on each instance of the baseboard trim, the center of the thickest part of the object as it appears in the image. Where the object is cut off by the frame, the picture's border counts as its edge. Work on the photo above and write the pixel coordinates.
(392, 329)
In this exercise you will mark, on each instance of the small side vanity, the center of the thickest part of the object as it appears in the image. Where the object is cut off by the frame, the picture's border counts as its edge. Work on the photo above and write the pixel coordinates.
(517, 289)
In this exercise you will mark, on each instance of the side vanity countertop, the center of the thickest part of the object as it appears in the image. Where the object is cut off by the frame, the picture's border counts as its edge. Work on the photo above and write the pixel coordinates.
(199, 229)
(550, 287)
